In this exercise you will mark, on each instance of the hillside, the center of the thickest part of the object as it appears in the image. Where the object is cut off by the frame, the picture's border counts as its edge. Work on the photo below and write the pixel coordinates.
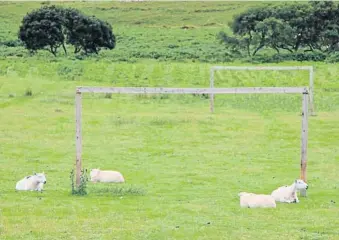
(156, 30)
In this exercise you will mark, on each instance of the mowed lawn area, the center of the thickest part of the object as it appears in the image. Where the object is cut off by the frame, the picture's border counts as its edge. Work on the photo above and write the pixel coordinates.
(183, 165)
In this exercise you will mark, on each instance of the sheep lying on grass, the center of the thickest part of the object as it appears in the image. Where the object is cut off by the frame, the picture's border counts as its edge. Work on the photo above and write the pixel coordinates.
(288, 194)
(252, 200)
(98, 175)
(30, 183)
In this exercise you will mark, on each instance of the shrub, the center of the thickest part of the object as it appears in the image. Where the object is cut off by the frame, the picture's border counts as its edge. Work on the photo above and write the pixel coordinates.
(28, 92)
(12, 43)
(108, 95)
(332, 58)
(81, 190)
(297, 56)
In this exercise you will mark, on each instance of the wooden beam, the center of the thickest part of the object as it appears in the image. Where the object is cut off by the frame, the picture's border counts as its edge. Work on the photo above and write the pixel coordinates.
(304, 141)
(282, 68)
(78, 139)
(147, 90)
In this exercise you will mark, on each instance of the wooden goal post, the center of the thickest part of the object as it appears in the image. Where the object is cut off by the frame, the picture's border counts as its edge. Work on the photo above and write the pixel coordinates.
(146, 90)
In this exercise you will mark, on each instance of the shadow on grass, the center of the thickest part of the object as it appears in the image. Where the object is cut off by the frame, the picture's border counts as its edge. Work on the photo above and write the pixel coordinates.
(102, 189)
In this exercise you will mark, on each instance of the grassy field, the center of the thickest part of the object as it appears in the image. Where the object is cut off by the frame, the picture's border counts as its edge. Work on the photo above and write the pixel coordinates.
(183, 165)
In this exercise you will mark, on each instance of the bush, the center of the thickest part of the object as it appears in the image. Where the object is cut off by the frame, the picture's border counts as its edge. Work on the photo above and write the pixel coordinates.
(309, 56)
(297, 56)
(332, 58)
(12, 43)
(28, 92)
(81, 190)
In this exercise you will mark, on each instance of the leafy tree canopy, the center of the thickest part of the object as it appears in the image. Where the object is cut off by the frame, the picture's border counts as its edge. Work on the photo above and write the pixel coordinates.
(292, 27)
(51, 27)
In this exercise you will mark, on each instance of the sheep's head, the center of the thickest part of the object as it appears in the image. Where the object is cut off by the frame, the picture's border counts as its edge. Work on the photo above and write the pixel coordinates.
(300, 184)
(94, 172)
(40, 177)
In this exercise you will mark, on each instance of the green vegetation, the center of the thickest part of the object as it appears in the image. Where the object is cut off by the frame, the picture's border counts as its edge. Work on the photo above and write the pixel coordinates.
(183, 165)
(81, 189)
(50, 27)
(178, 31)
(307, 26)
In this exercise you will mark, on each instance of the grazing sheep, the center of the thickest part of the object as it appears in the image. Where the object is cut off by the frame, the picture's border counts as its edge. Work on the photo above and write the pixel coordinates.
(252, 200)
(288, 194)
(98, 175)
(30, 183)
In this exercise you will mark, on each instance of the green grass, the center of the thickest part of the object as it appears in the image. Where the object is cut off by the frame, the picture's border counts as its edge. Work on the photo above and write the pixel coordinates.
(143, 29)
(183, 165)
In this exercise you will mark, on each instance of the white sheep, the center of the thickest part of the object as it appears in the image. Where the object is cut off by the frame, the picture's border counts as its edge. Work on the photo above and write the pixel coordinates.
(252, 200)
(288, 194)
(32, 183)
(98, 175)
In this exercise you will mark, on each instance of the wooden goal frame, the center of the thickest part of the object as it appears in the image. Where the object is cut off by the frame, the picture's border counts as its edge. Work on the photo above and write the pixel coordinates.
(147, 90)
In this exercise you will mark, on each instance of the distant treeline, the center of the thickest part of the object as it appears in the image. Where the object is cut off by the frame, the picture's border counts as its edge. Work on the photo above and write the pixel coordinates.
(286, 28)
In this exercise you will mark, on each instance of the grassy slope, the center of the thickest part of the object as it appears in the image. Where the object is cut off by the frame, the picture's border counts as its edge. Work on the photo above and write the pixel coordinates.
(183, 166)
(145, 30)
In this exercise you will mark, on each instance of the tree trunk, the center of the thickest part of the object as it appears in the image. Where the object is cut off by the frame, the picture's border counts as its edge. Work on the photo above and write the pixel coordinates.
(77, 49)
(63, 46)
(288, 49)
(297, 44)
(95, 50)
(249, 44)
(277, 49)
(257, 49)
(51, 50)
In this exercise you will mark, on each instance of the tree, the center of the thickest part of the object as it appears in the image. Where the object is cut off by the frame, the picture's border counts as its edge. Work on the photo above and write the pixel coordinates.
(275, 34)
(51, 27)
(325, 20)
(234, 44)
(42, 29)
(247, 34)
(299, 17)
(289, 26)
(245, 25)
(88, 33)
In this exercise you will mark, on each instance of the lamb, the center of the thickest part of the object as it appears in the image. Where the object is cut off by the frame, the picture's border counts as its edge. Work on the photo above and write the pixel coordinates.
(288, 194)
(98, 175)
(32, 183)
(252, 200)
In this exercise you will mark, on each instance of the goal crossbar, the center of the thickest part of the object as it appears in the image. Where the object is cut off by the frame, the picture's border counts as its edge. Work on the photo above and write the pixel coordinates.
(282, 68)
(160, 90)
